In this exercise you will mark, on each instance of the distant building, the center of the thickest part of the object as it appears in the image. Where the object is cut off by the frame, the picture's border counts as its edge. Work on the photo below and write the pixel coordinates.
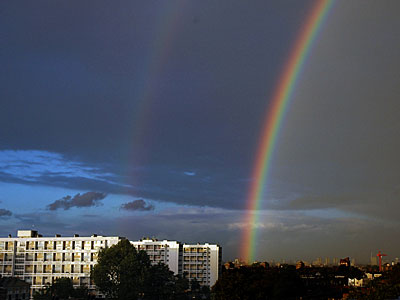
(345, 262)
(239, 263)
(299, 265)
(326, 261)
(356, 282)
(353, 262)
(229, 265)
(317, 262)
(12, 288)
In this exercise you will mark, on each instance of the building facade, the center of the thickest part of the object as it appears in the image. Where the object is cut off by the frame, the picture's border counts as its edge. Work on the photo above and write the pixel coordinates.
(201, 262)
(41, 260)
(166, 252)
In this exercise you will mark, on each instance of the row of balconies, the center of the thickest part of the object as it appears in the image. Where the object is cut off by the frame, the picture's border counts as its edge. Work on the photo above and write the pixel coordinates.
(52, 245)
(195, 262)
(196, 270)
(195, 255)
(185, 250)
(155, 252)
(47, 269)
(57, 251)
(79, 256)
(23, 250)
(205, 270)
(25, 262)
(46, 263)
(53, 273)
(194, 258)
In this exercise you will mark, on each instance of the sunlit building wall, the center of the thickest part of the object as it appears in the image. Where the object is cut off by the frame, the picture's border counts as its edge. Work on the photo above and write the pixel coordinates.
(166, 252)
(202, 262)
(41, 260)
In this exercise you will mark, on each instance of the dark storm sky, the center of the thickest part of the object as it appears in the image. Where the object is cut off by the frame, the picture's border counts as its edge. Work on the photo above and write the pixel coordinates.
(147, 116)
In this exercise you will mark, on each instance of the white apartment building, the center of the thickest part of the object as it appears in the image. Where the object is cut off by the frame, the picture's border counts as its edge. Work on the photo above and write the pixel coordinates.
(194, 261)
(41, 260)
(166, 252)
(202, 262)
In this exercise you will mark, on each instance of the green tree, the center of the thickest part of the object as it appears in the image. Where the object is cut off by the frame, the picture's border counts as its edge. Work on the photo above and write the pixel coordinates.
(61, 289)
(181, 287)
(160, 283)
(42, 294)
(121, 271)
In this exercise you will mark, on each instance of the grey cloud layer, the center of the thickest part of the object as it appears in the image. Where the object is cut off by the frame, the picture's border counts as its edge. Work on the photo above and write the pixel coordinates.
(85, 200)
(5, 212)
(278, 232)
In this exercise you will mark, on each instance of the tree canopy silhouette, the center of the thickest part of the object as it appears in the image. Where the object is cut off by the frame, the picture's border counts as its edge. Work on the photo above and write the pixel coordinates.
(122, 272)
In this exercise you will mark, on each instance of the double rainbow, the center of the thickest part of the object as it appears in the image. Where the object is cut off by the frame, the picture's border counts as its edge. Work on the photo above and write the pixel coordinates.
(273, 121)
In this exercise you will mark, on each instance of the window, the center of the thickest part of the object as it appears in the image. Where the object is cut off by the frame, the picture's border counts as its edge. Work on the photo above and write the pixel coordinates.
(88, 245)
(40, 245)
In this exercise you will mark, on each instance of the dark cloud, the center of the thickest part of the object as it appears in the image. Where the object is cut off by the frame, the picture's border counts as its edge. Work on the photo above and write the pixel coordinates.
(5, 212)
(158, 182)
(85, 200)
(137, 205)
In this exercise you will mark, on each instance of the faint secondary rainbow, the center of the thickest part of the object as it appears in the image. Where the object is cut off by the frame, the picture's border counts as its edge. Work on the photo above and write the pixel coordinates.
(150, 68)
(273, 121)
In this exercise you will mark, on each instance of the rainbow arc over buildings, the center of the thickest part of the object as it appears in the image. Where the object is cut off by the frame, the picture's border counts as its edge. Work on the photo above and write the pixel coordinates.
(274, 117)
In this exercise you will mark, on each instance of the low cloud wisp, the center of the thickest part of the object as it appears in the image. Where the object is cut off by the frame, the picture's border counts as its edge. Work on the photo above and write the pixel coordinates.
(139, 205)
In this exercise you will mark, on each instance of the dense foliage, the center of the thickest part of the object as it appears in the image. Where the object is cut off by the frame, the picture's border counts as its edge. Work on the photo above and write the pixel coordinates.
(122, 272)
(62, 289)
(287, 282)
(253, 283)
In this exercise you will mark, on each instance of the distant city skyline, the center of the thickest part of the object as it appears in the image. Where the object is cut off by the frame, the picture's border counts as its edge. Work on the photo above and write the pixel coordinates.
(144, 119)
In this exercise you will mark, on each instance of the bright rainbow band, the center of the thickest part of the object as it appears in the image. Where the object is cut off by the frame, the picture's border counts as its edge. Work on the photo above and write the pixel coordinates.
(275, 114)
